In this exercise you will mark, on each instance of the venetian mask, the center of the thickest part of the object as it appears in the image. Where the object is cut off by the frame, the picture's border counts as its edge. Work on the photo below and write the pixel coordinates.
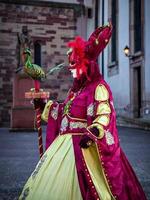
(78, 62)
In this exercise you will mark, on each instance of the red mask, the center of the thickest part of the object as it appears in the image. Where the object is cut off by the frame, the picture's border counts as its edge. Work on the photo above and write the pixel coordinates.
(77, 57)
(83, 52)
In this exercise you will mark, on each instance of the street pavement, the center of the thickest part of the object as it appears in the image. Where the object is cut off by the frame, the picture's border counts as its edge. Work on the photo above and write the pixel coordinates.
(19, 155)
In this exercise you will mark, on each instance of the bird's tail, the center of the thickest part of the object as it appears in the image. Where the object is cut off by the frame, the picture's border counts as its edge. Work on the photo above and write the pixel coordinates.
(18, 69)
(55, 68)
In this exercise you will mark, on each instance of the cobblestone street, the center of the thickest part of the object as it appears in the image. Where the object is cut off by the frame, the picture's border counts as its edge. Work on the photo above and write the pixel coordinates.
(19, 155)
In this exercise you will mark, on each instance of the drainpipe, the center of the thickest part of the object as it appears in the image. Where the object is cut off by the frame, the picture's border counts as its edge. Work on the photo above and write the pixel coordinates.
(96, 13)
(102, 25)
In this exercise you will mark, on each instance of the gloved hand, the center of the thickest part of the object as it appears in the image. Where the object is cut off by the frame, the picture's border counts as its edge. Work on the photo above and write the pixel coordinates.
(94, 131)
(85, 142)
(39, 103)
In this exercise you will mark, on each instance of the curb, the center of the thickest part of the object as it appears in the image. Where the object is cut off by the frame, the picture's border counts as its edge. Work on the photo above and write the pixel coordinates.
(133, 122)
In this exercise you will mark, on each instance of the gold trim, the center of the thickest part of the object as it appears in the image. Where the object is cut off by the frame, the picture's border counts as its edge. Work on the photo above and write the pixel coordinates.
(102, 119)
(103, 108)
(101, 93)
(45, 113)
(71, 134)
(104, 173)
(96, 173)
(84, 120)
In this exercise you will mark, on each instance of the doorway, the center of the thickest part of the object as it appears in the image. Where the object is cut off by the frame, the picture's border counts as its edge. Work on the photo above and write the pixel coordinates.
(137, 100)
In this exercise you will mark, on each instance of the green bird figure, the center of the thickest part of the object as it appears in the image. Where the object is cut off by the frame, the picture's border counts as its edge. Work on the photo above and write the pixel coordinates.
(33, 70)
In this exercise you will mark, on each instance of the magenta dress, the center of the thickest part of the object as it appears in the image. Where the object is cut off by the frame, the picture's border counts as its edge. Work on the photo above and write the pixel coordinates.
(67, 171)
(93, 106)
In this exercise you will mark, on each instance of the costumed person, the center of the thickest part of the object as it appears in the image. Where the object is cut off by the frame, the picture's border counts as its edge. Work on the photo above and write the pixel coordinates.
(83, 160)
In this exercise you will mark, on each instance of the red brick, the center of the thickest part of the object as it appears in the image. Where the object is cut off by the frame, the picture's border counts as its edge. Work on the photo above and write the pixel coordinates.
(18, 18)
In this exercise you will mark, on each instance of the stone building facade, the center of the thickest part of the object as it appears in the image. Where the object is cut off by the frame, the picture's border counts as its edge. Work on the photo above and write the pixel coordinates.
(128, 77)
(50, 26)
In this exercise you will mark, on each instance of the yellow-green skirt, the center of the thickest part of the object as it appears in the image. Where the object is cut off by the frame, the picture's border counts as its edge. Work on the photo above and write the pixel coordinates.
(55, 176)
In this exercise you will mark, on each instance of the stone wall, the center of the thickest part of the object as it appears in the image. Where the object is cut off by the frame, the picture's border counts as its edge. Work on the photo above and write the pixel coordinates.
(52, 25)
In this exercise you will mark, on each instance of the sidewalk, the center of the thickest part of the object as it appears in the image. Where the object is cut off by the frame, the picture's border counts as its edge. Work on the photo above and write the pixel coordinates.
(133, 122)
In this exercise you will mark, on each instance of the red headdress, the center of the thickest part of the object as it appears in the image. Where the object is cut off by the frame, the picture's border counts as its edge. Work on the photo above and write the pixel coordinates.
(77, 57)
(84, 52)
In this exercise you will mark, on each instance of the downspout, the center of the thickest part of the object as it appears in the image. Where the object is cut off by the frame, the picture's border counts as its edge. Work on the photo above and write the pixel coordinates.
(96, 13)
(102, 25)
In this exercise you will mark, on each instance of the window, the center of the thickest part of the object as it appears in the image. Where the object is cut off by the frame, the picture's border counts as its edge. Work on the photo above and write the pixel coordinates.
(37, 53)
(113, 47)
(137, 25)
(114, 35)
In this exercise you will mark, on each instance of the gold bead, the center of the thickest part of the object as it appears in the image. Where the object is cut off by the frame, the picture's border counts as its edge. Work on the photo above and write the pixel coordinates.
(89, 143)
(96, 41)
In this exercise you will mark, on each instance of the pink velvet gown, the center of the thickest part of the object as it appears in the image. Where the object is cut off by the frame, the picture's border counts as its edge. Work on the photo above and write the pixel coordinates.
(92, 106)
(101, 171)
(68, 172)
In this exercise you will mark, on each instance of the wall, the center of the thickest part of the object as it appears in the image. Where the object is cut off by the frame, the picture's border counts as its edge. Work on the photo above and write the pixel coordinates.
(147, 59)
(53, 24)
(119, 83)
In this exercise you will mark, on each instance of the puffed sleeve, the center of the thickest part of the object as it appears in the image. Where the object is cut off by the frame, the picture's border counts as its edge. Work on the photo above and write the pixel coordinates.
(52, 114)
(46, 110)
(100, 113)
